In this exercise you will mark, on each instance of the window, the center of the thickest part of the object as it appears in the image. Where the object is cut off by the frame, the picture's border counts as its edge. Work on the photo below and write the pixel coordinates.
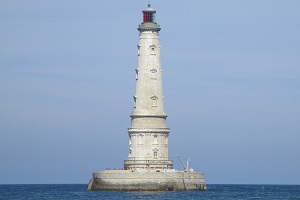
(166, 141)
(139, 48)
(154, 101)
(155, 139)
(134, 101)
(140, 139)
(149, 17)
(136, 74)
(152, 47)
(153, 73)
(130, 152)
(155, 153)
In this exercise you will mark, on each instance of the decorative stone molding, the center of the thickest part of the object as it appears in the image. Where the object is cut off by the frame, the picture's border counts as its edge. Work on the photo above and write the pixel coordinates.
(135, 131)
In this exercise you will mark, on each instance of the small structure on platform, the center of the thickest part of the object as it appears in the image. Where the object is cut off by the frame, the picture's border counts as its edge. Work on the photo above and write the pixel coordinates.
(148, 167)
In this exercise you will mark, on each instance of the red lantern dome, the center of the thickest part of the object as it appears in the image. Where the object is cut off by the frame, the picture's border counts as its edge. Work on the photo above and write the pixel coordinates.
(149, 23)
(149, 14)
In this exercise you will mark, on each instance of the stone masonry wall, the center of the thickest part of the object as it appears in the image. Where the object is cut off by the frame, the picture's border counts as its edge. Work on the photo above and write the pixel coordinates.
(125, 180)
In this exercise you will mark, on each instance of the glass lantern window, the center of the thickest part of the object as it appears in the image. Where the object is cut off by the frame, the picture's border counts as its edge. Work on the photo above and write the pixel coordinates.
(153, 17)
(149, 17)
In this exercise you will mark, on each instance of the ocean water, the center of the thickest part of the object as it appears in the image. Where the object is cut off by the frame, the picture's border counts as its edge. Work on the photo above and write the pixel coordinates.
(39, 192)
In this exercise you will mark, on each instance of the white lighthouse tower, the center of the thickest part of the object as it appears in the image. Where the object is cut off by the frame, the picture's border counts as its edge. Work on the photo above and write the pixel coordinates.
(148, 135)
(148, 167)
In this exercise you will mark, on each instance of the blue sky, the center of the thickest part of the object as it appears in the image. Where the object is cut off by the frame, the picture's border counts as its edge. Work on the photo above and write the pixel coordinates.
(231, 87)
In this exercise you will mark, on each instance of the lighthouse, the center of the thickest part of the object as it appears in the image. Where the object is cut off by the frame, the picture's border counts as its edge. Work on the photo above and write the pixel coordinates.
(148, 135)
(148, 167)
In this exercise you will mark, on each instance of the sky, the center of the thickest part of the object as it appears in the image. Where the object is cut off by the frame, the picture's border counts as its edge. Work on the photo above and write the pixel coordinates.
(231, 85)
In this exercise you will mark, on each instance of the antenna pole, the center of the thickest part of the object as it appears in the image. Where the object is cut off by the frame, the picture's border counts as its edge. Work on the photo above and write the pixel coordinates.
(181, 162)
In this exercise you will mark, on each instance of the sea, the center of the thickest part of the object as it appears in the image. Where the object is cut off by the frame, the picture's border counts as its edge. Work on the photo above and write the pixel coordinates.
(78, 191)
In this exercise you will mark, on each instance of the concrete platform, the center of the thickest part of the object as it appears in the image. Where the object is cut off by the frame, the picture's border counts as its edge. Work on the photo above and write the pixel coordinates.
(126, 180)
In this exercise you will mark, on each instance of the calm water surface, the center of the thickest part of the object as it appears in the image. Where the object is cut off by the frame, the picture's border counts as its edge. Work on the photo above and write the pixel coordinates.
(39, 192)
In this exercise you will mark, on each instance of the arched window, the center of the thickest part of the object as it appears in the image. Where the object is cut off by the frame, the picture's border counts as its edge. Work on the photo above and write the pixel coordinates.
(153, 73)
(152, 49)
(155, 139)
(154, 101)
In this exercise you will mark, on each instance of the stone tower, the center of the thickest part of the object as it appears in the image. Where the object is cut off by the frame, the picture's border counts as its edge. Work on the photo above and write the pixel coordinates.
(148, 167)
(148, 135)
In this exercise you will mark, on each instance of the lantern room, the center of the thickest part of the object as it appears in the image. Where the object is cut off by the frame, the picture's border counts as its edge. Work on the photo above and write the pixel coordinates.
(149, 14)
(149, 23)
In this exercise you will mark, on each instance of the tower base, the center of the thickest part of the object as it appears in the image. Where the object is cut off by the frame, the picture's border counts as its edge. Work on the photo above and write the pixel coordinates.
(126, 180)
